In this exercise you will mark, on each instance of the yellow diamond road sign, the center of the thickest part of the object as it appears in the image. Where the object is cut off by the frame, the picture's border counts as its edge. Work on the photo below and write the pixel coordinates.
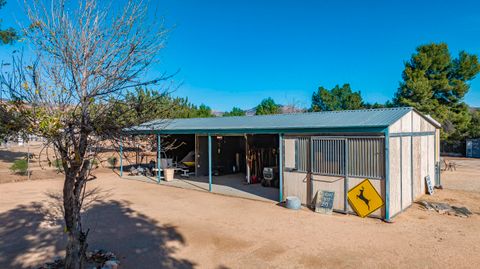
(364, 198)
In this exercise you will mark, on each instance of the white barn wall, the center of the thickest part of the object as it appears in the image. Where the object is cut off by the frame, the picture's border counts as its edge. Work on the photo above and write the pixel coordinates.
(418, 184)
(394, 176)
(407, 168)
(431, 157)
(424, 164)
(289, 158)
(420, 124)
(406, 172)
(402, 125)
(295, 184)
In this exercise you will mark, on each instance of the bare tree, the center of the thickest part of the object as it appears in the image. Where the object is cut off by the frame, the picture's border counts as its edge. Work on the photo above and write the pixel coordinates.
(293, 106)
(86, 57)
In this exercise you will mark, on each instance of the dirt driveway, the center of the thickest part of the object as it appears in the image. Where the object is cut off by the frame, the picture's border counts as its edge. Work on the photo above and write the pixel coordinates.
(154, 226)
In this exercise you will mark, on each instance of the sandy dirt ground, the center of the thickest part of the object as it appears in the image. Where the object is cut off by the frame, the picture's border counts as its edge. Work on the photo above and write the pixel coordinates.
(467, 176)
(42, 159)
(40, 168)
(155, 226)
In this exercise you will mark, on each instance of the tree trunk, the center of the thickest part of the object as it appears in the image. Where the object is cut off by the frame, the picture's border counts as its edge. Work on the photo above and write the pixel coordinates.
(76, 244)
(74, 258)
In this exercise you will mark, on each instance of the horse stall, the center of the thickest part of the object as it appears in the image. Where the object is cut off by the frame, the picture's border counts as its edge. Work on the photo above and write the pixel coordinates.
(398, 162)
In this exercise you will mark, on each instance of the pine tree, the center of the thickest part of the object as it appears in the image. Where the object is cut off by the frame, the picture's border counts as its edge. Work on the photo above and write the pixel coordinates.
(436, 84)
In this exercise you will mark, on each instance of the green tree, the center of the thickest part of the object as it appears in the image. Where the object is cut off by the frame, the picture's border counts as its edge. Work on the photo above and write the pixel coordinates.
(474, 129)
(236, 111)
(267, 106)
(436, 84)
(8, 122)
(7, 35)
(203, 111)
(142, 105)
(338, 98)
(11, 125)
(378, 105)
(184, 109)
(147, 104)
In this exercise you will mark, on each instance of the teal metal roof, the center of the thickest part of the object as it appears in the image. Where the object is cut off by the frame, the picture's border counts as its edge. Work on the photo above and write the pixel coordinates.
(353, 119)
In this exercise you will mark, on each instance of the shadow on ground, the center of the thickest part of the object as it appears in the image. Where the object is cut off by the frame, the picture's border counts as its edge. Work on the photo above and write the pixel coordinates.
(27, 238)
(11, 156)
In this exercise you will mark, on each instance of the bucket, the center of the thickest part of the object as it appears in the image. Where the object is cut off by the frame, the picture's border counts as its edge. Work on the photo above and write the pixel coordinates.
(168, 174)
(293, 203)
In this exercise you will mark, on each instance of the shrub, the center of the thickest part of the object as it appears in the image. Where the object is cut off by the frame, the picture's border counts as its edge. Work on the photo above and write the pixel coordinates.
(19, 167)
(112, 161)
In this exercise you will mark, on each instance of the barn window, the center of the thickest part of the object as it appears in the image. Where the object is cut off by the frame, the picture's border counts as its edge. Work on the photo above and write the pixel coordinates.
(328, 156)
(301, 154)
(365, 157)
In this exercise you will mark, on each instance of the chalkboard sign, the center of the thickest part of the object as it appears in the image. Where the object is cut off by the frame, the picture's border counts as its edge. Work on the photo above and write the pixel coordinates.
(429, 185)
(324, 203)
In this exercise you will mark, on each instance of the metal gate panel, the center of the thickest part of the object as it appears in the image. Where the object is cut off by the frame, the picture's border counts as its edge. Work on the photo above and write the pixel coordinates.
(328, 156)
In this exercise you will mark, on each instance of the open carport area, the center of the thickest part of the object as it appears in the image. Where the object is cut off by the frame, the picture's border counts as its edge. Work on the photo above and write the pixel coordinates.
(232, 185)
(226, 164)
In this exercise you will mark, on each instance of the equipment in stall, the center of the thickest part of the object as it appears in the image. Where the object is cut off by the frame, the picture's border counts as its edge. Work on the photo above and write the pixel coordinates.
(189, 159)
(270, 175)
(258, 160)
(186, 163)
(166, 162)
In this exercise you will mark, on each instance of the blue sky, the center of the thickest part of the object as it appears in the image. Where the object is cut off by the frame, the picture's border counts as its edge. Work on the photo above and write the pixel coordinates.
(234, 53)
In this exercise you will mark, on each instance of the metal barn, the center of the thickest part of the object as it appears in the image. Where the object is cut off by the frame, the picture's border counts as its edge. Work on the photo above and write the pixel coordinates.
(396, 148)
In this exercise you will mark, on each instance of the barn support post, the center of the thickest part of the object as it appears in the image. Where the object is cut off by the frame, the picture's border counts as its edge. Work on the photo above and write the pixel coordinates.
(159, 158)
(310, 173)
(280, 168)
(246, 159)
(345, 185)
(121, 157)
(196, 155)
(209, 162)
(387, 175)
(436, 161)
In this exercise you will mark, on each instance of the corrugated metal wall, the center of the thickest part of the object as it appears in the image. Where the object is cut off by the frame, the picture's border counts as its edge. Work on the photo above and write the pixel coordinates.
(366, 157)
(328, 156)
